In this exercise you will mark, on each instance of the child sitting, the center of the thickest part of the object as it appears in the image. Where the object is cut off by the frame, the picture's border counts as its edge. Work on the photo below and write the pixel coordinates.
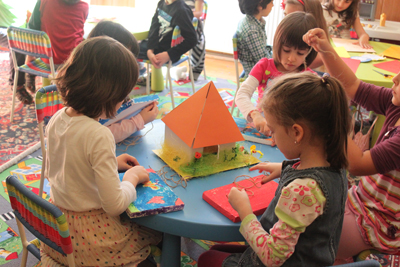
(251, 36)
(82, 167)
(169, 13)
(372, 216)
(309, 120)
(340, 16)
(290, 54)
(123, 129)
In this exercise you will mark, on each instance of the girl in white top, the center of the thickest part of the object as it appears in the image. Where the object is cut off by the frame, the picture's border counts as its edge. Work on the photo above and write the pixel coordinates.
(340, 16)
(82, 167)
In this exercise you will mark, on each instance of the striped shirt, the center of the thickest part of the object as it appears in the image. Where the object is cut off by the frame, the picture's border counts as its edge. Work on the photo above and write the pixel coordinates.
(376, 200)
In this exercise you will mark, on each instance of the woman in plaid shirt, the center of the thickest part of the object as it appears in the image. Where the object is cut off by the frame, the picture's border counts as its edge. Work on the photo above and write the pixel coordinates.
(252, 39)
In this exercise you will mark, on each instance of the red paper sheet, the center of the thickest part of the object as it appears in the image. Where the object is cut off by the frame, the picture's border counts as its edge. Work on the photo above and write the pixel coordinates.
(259, 197)
(352, 63)
(392, 66)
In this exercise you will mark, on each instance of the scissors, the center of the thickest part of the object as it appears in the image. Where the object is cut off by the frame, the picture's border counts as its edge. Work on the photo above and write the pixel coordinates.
(384, 75)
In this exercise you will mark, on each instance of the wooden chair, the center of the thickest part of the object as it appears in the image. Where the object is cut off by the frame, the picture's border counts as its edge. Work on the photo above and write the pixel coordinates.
(48, 102)
(176, 40)
(43, 219)
(32, 43)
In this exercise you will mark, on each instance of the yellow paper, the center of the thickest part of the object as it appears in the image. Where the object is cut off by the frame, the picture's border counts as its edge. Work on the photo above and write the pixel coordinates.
(341, 51)
(393, 52)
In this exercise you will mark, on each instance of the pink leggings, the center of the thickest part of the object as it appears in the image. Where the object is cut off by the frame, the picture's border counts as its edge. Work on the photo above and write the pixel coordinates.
(351, 242)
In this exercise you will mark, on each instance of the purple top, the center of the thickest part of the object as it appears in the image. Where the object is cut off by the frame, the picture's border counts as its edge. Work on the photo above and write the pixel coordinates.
(386, 152)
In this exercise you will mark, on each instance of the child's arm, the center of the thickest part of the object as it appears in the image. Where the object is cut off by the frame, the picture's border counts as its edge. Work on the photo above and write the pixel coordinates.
(334, 64)
(125, 128)
(153, 38)
(363, 37)
(274, 170)
(360, 163)
(247, 108)
(275, 247)
(198, 8)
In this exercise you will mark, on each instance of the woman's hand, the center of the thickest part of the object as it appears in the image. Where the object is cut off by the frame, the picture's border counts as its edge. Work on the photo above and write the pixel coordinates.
(126, 161)
(240, 202)
(273, 169)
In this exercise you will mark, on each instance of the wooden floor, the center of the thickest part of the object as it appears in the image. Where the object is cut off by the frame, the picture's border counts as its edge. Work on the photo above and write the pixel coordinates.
(221, 66)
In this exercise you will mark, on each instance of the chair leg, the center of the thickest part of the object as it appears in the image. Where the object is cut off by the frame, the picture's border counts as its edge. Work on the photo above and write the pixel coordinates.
(25, 243)
(171, 90)
(148, 79)
(43, 146)
(191, 74)
(14, 93)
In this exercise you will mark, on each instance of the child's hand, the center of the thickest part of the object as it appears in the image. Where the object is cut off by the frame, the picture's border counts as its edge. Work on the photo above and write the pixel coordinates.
(317, 39)
(126, 161)
(154, 61)
(149, 113)
(162, 58)
(240, 202)
(136, 175)
(260, 123)
(364, 41)
(274, 170)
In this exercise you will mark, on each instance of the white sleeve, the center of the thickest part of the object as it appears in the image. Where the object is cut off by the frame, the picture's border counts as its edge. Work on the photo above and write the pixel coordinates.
(243, 97)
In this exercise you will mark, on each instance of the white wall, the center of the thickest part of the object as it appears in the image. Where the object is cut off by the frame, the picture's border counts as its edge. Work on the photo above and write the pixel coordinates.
(222, 19)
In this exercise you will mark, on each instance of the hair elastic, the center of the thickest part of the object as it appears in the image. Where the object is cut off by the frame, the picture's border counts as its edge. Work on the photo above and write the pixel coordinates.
(283, 5)
(324, 77)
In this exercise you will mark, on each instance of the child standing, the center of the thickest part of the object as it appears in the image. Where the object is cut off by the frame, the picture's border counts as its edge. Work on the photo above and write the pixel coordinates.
(290, 54)
(125, 128)
(63, 21)
(309, 120)
(372, 217)
(169, 13)
(340, 16)
(251, 36)
(93, 83)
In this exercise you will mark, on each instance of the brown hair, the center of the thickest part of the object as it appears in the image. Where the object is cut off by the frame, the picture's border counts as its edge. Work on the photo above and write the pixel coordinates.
(314, 7)
(99, 74)
(349, 15)
(250, 7)
(320, 103)
(290, 33)
(118, 32)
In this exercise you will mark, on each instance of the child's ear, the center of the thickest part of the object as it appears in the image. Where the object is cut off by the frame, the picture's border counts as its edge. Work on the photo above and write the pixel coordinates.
(297, 132)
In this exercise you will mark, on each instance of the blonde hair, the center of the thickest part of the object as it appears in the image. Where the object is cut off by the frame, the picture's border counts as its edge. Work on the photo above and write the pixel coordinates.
(320, 103)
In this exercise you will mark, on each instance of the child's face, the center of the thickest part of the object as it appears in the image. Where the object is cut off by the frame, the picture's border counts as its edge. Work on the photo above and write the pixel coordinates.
(341, 5)
(265, 12)
(290, 8)
(282, 137)
(291, 58)
(396, 90)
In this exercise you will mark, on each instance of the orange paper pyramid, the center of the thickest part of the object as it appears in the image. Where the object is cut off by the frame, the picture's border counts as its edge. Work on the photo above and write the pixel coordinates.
(203, 120)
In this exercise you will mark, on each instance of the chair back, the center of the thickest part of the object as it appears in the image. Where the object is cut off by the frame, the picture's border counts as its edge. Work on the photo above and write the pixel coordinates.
(40, 217)
(29, 42)
(47, 103)
(234, 43)
(176, 34)
(203, 16)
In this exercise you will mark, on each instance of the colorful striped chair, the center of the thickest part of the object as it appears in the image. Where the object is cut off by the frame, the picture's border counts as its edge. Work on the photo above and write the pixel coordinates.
(176, 40)
(41, 218)
(32, 43)
(48, 102)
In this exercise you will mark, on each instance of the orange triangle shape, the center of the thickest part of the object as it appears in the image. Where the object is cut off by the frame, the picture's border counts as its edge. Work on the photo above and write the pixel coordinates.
(216, 126)
(184, 119)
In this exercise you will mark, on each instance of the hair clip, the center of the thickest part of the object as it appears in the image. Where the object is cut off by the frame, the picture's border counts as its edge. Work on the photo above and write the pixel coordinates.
(283, 5)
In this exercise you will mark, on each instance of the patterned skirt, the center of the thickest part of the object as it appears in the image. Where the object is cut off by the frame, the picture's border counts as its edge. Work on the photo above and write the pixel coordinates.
(99, 239)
